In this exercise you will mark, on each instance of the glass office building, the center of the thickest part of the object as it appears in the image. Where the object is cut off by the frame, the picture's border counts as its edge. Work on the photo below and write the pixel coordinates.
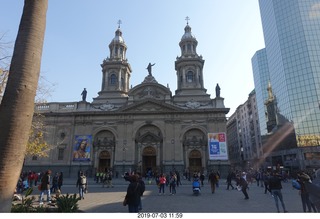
(261, 78)
(292, 46)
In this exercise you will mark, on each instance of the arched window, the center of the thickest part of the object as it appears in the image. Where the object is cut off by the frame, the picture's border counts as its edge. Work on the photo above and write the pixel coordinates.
(190, 77)
(122, 83)
(189, 47)
(116, 52)
(113, 79)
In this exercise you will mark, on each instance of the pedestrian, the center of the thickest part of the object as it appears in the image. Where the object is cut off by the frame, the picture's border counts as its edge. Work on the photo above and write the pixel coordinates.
(142, 189)
(82, 184)
(266, 177)
(54, 183)
(162, 183)
(242, 182)
(275, 187)
(314, 190)
(303, 179)
(36, 178)
(178, 178)
(133, 195)
(60, 180)
(202, 178)
(45, 186)
(172, 184)
(109, 179)
(230, 177)
(213, 179)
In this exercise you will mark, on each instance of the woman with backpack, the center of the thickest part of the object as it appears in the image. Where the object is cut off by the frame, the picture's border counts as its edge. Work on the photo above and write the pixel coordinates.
(82, 184)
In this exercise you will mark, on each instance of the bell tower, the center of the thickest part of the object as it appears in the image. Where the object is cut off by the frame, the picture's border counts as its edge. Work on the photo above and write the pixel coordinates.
(189, 69)
(116, 72)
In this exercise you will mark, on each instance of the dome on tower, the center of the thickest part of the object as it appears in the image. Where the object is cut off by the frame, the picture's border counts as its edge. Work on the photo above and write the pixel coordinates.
(118, 37)
(187, 33)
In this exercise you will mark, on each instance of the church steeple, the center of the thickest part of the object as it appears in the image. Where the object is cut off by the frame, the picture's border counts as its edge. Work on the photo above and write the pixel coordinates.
(189, 67)
(116, 71)
(188, 43)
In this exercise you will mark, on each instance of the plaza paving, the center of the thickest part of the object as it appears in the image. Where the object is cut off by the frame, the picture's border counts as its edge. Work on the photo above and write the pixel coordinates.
(109, 200)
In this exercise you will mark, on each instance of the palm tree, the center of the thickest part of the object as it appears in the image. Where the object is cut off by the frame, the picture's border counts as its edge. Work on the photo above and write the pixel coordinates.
(17, 106)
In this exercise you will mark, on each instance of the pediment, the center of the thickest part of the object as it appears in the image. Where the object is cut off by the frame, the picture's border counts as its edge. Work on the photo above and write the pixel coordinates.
(149, 105)
(149, 91)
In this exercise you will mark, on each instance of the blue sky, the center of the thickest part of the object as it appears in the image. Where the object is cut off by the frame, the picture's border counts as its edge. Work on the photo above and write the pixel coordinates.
(78, 33)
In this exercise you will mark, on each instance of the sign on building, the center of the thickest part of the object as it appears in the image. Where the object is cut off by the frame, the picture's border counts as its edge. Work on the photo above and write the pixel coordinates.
(217, 146)
(82, 147)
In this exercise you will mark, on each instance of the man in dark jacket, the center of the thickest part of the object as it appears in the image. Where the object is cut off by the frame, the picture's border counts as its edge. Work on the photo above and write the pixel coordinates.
(275, 188)
(142, 189)
(133, 195)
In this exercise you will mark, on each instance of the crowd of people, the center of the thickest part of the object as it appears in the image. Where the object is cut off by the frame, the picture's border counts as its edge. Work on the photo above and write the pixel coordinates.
(269, 180)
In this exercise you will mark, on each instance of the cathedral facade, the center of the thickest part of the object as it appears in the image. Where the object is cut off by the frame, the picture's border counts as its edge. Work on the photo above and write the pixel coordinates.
(141, 128)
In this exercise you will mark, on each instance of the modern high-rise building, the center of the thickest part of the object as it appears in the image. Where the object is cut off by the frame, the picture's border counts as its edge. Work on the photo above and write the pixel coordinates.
(261, 78)
(292, 52)
(292, 39)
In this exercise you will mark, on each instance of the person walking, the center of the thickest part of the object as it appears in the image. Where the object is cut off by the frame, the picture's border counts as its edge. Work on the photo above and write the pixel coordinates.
(45, 186)
(133, 195)
(303, 179)
(275, 187)
(266, 177)
(229, 179)
(242, 182)
(202, 178)
(82, 184)
(162, 183)
(213, 179)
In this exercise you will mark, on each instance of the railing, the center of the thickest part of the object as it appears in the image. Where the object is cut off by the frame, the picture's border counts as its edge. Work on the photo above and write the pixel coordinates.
(56, 107)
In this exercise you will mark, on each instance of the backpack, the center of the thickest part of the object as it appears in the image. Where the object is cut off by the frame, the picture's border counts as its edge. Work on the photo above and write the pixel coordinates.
(296, 184)
(83, 180)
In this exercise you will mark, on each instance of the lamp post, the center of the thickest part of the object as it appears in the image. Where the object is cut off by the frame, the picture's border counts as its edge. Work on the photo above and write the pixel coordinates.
(124, 158)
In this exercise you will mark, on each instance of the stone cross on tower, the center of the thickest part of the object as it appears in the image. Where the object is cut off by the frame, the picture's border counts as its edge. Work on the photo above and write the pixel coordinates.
(187, 19)
(119, 23)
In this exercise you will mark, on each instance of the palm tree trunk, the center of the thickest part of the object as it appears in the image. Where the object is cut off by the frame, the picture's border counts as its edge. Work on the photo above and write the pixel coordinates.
(17, 107)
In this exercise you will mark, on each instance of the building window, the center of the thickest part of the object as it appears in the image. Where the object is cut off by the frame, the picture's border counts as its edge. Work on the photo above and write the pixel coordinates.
(190, 76)
(34, 157)
(113, 79)
(189, 48)
(122, 83)
(60, 153)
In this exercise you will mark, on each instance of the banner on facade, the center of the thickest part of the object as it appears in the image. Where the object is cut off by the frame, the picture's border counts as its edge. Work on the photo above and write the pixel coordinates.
(217, 146)
(82, 148)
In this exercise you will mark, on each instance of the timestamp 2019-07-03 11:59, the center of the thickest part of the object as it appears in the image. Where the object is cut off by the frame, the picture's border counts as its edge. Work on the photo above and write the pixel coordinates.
(159, 215)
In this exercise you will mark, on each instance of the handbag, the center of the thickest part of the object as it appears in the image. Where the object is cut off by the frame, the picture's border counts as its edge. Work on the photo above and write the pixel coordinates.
(39, 187)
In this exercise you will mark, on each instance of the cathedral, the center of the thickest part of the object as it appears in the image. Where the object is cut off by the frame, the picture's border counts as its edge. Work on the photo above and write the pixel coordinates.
(139, 128)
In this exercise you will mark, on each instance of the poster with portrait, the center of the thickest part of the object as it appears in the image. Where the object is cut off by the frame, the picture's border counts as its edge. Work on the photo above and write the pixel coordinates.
(82, 148)
(217, 146)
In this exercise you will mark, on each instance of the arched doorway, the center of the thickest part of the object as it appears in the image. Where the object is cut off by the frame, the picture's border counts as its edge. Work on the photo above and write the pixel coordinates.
(149, 159)
(149, 145)
(104, 161)
(104, 150)
(195, 161)
(194, 146)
